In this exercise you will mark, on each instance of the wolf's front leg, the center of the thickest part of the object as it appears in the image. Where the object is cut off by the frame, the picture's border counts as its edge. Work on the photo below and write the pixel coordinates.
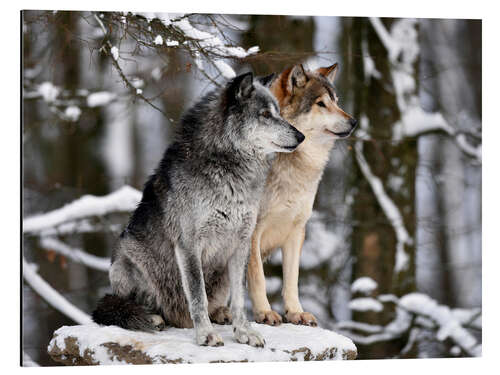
(194, 288)
(291, 261)
(241, 327)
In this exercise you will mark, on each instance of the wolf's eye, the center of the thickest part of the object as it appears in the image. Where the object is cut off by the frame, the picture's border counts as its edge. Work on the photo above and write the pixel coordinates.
(266, 114)
(321, 104)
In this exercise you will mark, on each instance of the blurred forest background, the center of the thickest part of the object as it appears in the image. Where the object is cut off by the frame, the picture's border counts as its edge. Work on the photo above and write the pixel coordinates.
(392, 257)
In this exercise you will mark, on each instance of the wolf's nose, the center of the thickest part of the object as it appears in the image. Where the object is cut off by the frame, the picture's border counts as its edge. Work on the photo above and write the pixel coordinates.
(299, 136)
(353, 122)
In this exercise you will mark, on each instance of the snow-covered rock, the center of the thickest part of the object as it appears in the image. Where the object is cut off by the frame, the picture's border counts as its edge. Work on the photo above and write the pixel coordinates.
(91, 344)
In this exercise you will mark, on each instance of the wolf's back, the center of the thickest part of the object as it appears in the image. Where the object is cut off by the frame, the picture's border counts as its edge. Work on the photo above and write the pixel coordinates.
(113, 310)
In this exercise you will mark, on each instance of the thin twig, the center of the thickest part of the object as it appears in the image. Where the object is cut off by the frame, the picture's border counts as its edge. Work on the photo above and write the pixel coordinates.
(118, 68)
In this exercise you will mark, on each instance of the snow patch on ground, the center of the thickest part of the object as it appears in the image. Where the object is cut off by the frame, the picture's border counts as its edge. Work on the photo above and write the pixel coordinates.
(175, 343)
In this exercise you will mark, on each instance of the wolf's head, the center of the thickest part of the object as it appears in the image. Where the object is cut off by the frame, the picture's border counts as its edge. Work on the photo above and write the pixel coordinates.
(255, 116)
(309, 101)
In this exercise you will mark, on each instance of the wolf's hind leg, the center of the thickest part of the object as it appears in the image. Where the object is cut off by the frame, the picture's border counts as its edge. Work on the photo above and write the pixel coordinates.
(218, 309)
(157, 322)
(221, 315)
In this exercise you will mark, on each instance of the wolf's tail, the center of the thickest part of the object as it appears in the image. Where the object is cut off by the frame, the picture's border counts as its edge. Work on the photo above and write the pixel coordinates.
(123, 312)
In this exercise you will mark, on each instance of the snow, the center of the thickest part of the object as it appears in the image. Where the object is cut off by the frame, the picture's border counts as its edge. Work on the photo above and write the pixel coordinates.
(212, 43)
(99, 263)
(138, 91)
(365, 304)
(360, 326)
(320, 243)
(124, 199)
(368, 64)
(51, 296)
(449, 325)
(273, 284)
(196, 39)
(198, 61)
(158, 40)
(364, 285)
(176, 343)
(224, 69)
(455, 350)
(115, 53)
(403, 48)
(390, 209)
(415, 121)
(384, 298)
(253, 50)
(48, 91)
(100, 98)
(156, 73)
(172, 43)
(72, 113)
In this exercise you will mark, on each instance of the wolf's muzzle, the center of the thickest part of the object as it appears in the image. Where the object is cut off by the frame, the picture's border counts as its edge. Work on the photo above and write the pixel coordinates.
(353, 122)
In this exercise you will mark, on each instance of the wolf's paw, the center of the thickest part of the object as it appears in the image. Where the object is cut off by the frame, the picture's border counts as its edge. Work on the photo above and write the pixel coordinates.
(301, 318)
(208, 337)
(247, 335)
(221, 315)
(157, 321)
(268, 317)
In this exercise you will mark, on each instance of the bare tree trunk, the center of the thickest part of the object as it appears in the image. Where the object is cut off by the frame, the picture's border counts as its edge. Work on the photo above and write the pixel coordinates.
(374, 241)
(452, 64)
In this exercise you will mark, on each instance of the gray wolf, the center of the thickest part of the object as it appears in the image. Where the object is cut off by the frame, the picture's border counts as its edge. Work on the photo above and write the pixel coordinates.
(308, 101)
(186, 247)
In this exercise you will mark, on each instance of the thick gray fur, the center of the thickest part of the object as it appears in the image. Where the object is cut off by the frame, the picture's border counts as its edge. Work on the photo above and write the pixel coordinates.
(185, 249)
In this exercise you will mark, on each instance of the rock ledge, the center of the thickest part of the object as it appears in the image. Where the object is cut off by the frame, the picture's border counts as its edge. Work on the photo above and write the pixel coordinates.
(92, 344)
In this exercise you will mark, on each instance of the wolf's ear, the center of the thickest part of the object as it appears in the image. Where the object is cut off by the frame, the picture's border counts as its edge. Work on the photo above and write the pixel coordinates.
(329, 72)
(243, 85)
(267, 80)
(296, 78)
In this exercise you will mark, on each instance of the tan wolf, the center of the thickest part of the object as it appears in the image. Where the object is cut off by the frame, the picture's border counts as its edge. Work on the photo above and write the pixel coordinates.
(309, 102)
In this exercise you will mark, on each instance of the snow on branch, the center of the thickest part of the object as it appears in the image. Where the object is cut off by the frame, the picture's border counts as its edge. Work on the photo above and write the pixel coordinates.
(364, 285)
(402, 48)
(77, 255)
(416, 312)
(390, 209)
(124, 199)
(180, 33)
(66, 104)
(365, 304)
(51, 296)
(449, 326)
(213, 45)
